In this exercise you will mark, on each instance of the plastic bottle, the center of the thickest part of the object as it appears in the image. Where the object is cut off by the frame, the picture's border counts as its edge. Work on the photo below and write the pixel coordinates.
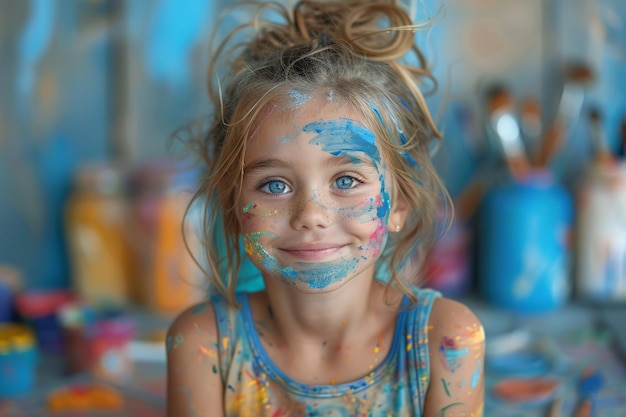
(601, 234)
(169, 280)
(97, 220)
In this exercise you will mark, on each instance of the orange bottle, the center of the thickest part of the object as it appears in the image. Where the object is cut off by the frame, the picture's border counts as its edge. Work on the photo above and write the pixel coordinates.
(96, 222)
(169, 279)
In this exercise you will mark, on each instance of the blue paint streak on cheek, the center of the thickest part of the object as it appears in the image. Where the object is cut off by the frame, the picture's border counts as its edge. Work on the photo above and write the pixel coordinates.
(322, 275)
(385, 204)
(342, 137)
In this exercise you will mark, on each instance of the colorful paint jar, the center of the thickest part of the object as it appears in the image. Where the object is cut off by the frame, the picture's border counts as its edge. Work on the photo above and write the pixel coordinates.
(108, 348)
(601, 234)
(18, 360)
(39, 309)
(169, 279)
(96, 221)
(523, 237)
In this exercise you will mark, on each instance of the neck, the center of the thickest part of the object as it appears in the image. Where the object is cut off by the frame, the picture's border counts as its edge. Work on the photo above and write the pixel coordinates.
(331, 316)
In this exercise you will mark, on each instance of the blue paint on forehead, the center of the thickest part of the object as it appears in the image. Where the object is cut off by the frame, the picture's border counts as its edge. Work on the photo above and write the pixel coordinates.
(343, 136)
(298, 99)
(400, 132)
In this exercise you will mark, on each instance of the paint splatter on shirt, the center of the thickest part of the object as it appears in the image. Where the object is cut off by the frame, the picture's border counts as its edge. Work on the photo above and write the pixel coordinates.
(255, 386)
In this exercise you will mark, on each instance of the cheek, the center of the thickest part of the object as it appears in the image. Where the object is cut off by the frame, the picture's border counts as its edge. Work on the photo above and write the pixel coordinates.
(377, 240)
(255, 218)
(363, 211)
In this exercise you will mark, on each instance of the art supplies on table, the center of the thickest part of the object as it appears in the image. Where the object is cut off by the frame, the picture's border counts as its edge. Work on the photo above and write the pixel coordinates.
(98, 342)
(97, 227)
(523, 244)
(39, 309)
(601, 234)
(87, 397)
(18, 360)
(168, 279)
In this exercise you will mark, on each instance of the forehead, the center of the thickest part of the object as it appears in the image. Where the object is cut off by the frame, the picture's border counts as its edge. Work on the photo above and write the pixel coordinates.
(304, 116)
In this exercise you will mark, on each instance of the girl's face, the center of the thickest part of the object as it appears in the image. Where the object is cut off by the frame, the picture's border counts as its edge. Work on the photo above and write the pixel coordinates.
(315, 205)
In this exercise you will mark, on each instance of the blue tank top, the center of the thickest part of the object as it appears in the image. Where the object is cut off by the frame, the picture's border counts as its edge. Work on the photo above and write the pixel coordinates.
(254, 386)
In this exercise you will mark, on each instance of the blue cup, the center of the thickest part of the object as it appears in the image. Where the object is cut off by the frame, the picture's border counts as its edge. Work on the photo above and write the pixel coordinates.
(524, 249)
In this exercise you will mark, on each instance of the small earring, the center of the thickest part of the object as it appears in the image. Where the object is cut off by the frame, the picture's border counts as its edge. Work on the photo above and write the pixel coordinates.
(397, 228)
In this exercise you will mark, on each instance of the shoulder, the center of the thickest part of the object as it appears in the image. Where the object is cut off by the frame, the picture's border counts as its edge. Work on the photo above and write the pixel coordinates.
(456, 341)
(454, 318)
(193, 363)
(196, 323)
(454, 327)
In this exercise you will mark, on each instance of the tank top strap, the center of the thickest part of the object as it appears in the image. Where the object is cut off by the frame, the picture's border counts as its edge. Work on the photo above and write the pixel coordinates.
(417, 343)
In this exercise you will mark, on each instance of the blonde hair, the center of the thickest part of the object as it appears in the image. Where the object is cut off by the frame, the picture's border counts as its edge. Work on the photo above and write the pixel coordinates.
(357, 50)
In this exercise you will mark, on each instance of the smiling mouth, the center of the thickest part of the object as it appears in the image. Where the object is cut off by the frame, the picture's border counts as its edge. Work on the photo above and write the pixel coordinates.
(313, 254)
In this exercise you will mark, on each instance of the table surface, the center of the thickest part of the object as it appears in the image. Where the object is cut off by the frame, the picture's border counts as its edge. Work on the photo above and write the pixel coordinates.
(559, 346)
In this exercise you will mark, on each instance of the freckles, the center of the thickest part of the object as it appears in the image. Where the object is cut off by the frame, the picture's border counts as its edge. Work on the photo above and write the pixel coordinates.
(254, 216)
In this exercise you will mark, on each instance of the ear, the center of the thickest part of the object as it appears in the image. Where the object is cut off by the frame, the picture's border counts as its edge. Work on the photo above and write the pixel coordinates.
(398, 214)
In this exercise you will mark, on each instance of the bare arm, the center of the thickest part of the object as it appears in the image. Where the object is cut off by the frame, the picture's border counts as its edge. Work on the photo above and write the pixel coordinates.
(194, 386)
(457, 345)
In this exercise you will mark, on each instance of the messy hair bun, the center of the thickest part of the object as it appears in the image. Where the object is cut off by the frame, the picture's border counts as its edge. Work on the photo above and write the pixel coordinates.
(377, 30)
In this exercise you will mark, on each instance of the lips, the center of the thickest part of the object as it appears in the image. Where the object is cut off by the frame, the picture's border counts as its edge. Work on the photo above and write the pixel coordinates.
(313, 253)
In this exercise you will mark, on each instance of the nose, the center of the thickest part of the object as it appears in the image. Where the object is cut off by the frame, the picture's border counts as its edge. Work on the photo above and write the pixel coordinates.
(309, 214)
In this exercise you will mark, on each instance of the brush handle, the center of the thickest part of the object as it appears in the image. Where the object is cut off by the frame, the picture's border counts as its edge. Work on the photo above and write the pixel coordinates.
(552, 141)
(621, 152)
(518, 166)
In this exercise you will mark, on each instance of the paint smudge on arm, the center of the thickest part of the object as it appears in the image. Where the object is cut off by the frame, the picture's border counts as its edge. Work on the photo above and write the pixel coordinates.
(173, 342)
(476, 374)
(451, 355)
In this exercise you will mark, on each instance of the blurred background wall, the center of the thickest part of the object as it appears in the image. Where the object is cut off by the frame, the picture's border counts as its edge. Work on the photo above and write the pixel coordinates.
(86, 81)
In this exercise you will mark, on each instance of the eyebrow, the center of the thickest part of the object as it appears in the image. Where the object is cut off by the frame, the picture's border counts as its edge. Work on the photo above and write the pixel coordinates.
(330, 162)
(265, 163)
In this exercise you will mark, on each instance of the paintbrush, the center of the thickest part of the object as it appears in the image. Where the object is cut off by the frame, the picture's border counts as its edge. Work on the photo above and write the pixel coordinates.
(504, 127)
(531, 123)
(576, 78)
(621, 151)
(602, 155)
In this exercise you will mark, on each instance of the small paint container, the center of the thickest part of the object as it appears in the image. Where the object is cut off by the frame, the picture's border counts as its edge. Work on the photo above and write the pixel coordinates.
(601, 235)
(75, 318)
(524, 228)
(18, 360)
(108, 348)
(39, 309)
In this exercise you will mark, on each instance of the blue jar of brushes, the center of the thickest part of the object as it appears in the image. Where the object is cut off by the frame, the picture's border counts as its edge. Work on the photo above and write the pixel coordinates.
(524, 253)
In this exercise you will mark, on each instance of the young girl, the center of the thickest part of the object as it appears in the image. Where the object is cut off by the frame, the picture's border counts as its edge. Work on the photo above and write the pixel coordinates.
(319, 174)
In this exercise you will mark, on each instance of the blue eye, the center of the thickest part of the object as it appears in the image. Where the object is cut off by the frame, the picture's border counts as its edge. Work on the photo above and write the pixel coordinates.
(345, 182)
(275, 187)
